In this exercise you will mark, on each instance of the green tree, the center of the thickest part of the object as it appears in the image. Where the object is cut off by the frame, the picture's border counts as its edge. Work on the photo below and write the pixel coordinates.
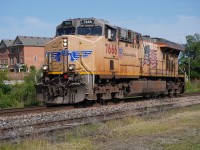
(190, 59)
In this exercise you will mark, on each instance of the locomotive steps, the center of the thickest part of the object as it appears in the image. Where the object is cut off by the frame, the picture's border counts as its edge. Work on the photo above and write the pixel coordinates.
(12, 127)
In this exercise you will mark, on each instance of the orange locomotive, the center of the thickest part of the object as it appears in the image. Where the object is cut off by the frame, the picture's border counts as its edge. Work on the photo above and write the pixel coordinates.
(90, 59)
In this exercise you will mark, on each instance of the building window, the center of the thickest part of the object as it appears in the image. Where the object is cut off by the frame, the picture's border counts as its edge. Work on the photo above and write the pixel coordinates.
(21, 60)
(11, 51)
(11, 60)
(35, 58)
(17, 50)
(17, 58)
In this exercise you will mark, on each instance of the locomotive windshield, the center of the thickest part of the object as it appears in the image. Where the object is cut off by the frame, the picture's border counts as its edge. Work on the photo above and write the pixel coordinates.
(95, 30)
(65, 31)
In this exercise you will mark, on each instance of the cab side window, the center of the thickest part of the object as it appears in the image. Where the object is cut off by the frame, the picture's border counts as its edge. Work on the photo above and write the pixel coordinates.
(110, 33)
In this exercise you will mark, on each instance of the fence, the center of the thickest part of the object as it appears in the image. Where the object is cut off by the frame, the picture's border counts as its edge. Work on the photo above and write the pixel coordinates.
(17, 75)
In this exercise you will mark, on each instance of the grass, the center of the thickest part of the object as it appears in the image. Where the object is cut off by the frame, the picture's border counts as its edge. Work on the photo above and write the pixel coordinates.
(184, 144)
(178, 129)
(192, 87)
(39, 144)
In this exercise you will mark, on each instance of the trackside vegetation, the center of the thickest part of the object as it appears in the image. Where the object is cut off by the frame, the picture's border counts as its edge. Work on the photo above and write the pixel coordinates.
(193, 86)
(190, 58)
(18, 95)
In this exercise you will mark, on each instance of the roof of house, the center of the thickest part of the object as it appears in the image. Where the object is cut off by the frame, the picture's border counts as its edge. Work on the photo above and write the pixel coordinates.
(30, 41)
(6, 43)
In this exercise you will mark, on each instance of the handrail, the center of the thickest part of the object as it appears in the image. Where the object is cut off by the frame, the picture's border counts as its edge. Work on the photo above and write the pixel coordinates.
(87, 69)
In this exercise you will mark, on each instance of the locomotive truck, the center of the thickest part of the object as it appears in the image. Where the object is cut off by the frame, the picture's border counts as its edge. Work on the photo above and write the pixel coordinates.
(90, 59)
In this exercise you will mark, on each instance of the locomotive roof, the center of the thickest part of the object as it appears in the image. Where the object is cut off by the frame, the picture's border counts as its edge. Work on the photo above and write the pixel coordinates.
(101, 21)
(166, 43)
(162, 42)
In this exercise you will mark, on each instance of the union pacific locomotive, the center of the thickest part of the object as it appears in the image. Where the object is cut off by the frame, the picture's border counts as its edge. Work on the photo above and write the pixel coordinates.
(91, 60)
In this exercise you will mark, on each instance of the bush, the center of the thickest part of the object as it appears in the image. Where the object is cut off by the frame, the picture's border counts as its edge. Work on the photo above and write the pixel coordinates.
(3, 75)
(6, 102)
(32, 68)
(23, 94)
(24, 68)
(193, 86)
(6, 89)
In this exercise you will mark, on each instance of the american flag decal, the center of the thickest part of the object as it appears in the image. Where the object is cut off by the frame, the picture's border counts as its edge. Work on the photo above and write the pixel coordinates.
(150, 57)
(120, 52)
(153, 58)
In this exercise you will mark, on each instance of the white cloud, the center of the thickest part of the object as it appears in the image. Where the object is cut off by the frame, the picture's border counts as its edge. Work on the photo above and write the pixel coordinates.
(185, 17)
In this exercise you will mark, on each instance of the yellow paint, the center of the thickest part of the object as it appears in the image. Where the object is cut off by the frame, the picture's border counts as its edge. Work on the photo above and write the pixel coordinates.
(55, 72)
(98, 63)
(110, 73)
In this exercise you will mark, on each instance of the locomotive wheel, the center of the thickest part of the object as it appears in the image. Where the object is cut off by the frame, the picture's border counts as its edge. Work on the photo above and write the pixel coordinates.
(83, 104)
(114, 99)
(103, 102)
(100, 100)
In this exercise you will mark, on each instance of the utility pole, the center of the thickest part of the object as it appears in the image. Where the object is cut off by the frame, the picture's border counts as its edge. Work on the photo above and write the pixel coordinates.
(189, 70)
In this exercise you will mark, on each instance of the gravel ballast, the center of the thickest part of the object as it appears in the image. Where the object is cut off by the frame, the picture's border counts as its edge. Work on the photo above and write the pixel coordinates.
(15, 126)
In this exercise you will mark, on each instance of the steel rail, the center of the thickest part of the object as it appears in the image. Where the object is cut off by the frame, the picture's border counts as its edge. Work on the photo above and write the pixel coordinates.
(39, 109)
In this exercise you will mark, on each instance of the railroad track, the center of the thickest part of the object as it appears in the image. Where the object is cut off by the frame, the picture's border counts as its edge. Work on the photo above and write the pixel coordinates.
(19, 111)
(12, 127)
(40, 109)
(31, 110)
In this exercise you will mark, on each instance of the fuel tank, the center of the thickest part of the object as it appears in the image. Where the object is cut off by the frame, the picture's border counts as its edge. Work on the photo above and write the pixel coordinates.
(146, 88)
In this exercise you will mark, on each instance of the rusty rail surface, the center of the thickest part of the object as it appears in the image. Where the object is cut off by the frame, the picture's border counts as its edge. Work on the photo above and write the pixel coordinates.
(13, 127)
(40, 109)
(18, 111)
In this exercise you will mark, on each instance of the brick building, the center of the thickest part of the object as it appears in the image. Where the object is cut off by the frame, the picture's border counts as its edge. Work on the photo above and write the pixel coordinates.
(4, 52)
(26, 50)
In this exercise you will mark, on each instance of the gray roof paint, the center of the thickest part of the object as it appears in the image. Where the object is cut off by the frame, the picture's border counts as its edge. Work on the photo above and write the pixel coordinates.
(30, 41)
(6, 43)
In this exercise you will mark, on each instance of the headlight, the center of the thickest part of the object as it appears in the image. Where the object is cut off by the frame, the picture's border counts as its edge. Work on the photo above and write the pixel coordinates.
(65, 42)
(45, 68)
(71, 67)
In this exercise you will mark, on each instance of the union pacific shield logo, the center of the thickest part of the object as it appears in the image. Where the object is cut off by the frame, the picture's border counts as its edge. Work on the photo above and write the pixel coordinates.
(74, 55)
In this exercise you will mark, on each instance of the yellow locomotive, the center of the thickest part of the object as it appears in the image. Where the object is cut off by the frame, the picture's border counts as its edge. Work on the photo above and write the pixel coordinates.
(90, 59)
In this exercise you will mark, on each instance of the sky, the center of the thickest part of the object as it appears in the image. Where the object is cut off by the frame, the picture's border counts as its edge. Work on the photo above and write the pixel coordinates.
(169, 19)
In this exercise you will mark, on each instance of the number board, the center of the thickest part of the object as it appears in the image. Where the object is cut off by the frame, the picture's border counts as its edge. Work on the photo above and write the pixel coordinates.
(87, 22)
(66, 23)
